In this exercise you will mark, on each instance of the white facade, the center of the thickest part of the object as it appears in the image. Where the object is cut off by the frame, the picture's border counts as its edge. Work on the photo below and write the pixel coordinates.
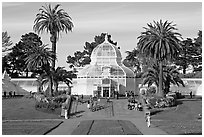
(106, 74)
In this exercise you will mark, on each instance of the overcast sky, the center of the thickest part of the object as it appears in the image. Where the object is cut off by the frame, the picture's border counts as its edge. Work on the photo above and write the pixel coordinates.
(124, 21)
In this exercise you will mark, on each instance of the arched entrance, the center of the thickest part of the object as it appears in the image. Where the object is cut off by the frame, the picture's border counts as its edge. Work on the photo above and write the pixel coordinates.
(106, 88)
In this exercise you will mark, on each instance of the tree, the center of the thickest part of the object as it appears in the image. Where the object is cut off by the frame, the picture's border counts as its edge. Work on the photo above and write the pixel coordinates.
(198, 40)
(198, 44)
(185, 57)
(139, 62)
(170, 76)
(6, 65)
(54, 21)
(191, 54)
(6, 48)
(58, 75)
(19, 53)
(132, 59)
(6, 43)
(160, 41)
(40, 57)
(62, 75)
(82, 58)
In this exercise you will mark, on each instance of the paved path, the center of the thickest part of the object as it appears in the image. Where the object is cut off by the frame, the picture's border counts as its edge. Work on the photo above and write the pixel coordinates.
(103, 118)
(106, 127)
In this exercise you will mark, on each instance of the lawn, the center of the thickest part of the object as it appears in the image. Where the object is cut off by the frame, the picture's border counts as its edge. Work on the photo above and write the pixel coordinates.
(21, 118)
(24, 108)
(181, 120)
(28, 127)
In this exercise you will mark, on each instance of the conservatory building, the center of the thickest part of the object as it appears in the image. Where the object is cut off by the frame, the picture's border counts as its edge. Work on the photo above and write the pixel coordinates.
(105, 75)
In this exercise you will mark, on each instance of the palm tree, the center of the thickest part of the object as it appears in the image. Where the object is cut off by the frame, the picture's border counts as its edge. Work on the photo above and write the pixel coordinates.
(161, 42)
(62, 75)
(58, 75)
(133, 60)
(40, 58)
(170, 76)
(54, 21)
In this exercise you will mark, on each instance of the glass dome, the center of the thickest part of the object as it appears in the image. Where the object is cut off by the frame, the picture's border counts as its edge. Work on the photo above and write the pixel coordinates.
(106, 65)
(106, 54)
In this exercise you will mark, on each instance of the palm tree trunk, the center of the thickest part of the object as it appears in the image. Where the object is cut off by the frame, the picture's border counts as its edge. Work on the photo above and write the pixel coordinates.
(53, 40)
(26, 73)
(55, 86)
(161, 93)
(51, 86)
(184, 69)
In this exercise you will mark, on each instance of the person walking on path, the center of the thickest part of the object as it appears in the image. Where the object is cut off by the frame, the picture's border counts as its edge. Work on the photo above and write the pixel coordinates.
(88, 104)
(191, 94)
(5, 94)
(82, 97)
(66, 107)
(76, 104)
(148, 119)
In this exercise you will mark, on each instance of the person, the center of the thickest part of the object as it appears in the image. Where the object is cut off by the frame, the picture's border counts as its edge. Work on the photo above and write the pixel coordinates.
(14, 94)
(63, 109)
(82, 97)
(99, 99)
(140, 107)
(88, 104)
(10, 94)
(191, 94)
(5, 94)
(148, 119)
(137, 106)
(108, 99)
(66, 107)
(126, 94)
(76, 104)
(117, 94)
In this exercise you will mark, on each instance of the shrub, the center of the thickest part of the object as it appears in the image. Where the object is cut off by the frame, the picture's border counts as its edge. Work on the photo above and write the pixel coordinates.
(159, 102)
(175, 95)
(151, 90)
(60, 92)
(47, 106)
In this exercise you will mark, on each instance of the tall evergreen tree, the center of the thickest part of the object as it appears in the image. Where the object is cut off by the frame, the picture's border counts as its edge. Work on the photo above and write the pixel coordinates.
(19, 53)
(6, 43)
(191, 54)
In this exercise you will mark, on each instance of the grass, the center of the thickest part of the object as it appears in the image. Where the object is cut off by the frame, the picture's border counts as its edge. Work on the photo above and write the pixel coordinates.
(24, 108)
(28, 127)
(21, 118)
(181, 120)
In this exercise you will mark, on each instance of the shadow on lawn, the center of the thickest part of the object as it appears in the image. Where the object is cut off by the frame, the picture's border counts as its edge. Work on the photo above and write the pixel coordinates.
(179, 102)
(78, 112)
(200, 133)
(155, 111)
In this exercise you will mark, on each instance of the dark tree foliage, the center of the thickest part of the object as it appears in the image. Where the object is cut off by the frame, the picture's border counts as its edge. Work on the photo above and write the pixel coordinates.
(19, 53)
(137, 61)
(191, 54)
(82, 58)
(170, 76)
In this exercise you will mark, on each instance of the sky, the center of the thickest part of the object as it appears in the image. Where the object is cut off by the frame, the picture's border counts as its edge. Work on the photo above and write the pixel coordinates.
(124, 21)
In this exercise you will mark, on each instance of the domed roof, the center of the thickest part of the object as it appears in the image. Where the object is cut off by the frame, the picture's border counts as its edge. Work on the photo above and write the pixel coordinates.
(106, 50)
(106, 55)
